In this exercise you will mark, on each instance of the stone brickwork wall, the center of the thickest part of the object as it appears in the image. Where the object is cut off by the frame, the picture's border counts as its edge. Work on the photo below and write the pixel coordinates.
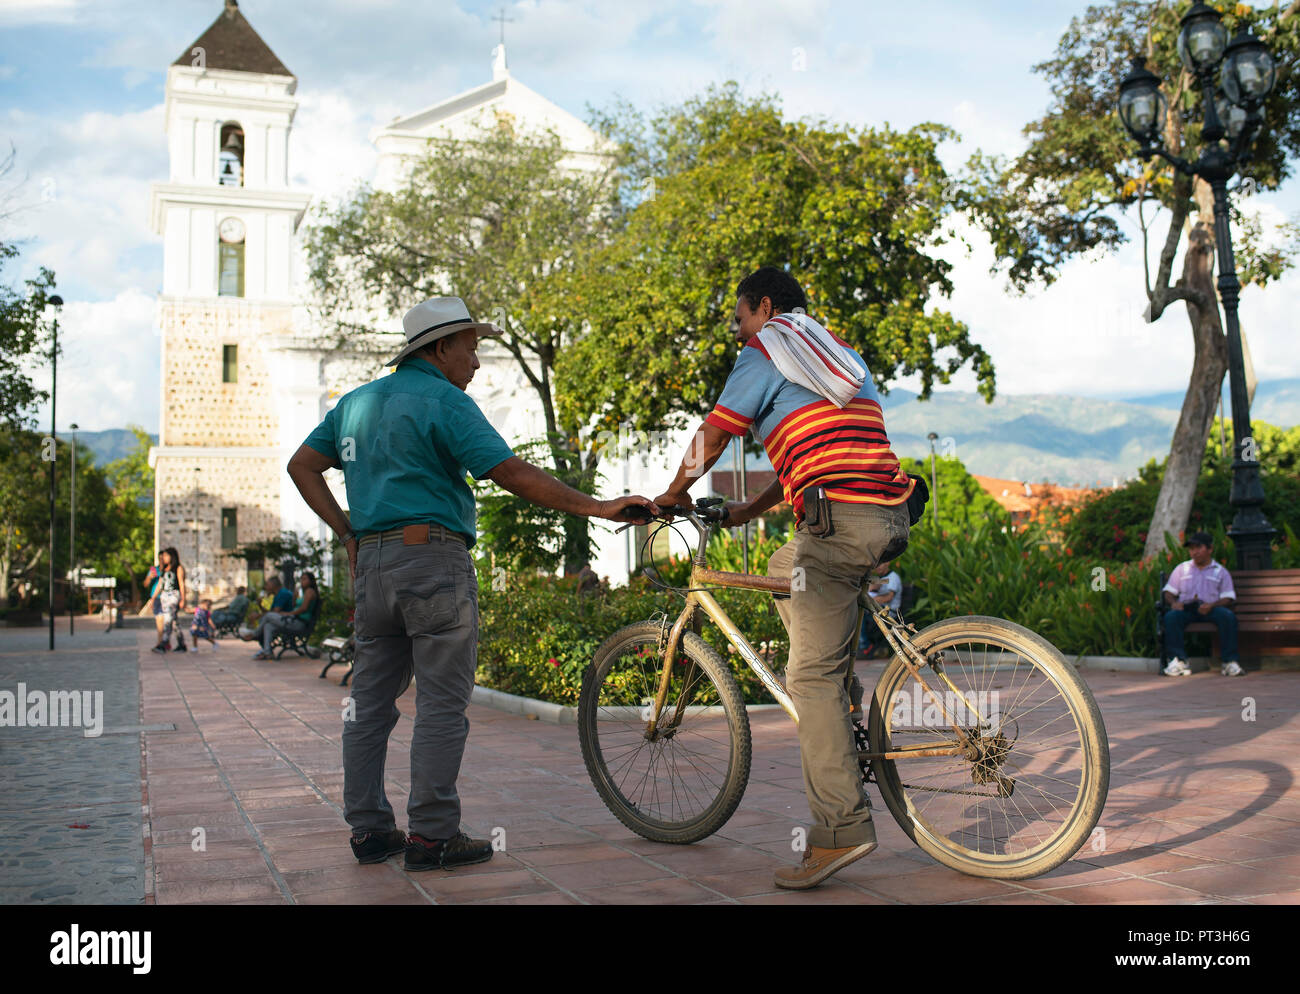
(197, 407)
(250, 484)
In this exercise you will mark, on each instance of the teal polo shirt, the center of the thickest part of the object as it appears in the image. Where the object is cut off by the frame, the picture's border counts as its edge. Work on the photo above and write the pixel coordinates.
(405, 442)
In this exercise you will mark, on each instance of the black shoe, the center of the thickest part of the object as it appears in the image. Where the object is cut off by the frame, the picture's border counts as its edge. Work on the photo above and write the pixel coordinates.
(180, 648)
(374, 847)
(160, 647)
(459, 850)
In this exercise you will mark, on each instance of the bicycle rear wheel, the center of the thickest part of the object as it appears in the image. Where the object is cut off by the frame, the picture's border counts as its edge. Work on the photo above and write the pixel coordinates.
(1028, 793)
(682, 783)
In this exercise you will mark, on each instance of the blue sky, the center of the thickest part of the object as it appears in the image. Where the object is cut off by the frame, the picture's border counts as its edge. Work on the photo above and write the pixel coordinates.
(81, 89)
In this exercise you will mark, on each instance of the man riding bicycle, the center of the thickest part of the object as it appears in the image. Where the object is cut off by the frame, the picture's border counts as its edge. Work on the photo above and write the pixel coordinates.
(809, 397)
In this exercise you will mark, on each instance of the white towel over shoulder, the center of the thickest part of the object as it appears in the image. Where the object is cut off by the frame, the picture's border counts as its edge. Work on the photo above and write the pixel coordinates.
(805, 353)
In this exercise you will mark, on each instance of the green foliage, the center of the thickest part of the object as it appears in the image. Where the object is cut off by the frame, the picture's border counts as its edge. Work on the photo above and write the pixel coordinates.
(499, 220)
(1113, 525)
(537, 635)
(853, 213)
(521, 535)
(962, 503)
(335, 611)
(295, 552)
(1082, 605)
(1064, 195)
(129, 553)
(25, 515)
(25, 331)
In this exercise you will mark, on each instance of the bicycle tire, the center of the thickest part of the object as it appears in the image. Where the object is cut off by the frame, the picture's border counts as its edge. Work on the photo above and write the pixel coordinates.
(910, 803)
(624, 711)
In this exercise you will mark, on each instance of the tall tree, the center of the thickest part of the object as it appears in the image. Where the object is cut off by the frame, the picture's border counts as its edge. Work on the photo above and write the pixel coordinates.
(25, 511)
(490, 219)
(24, 331)
(1066, 194)
(724, 184)
(128, 550)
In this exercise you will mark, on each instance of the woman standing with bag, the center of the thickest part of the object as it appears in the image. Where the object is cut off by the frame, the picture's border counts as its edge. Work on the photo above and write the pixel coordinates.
(171, 598)
(151, 600)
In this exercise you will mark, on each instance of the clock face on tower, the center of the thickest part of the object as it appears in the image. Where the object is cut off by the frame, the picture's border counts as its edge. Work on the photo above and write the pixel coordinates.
(231, 231)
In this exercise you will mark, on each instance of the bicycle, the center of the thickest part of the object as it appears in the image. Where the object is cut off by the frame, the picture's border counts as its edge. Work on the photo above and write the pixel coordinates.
(989, 788)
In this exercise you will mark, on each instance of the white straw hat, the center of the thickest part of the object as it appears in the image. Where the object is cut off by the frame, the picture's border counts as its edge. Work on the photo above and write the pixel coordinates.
(436, 318)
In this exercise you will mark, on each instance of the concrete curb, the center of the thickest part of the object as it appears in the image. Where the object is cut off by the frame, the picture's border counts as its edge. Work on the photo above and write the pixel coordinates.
(554, 714)
(1138, 664)
(1119, 664)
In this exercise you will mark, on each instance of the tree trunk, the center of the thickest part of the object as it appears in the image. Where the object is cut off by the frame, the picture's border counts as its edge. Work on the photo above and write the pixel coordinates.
(577, 529)
(1178, 488)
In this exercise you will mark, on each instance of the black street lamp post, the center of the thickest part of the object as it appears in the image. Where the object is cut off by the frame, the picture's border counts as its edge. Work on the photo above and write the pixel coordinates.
(73, 578)
(56, 302)
(934, 483)
(1232, 118)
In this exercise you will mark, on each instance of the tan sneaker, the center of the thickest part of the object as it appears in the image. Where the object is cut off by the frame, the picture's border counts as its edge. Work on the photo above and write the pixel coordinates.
(818, 864)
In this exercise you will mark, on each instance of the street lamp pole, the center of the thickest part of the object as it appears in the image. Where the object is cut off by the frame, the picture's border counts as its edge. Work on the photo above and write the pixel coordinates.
(1234, 114)
(72, 537)
(934, 484)
(196, 516)
(56, 302)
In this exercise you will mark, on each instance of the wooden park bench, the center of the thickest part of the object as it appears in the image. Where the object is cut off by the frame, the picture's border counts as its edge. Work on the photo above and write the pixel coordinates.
(1267, 609)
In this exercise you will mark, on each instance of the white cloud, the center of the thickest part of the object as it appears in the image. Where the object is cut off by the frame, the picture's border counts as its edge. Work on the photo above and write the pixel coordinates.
(86, 199)
(1085, 334)
(108, 366)
(15, 12)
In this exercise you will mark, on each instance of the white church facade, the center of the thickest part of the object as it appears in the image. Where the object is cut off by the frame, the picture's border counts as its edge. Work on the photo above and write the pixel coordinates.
(244, 378)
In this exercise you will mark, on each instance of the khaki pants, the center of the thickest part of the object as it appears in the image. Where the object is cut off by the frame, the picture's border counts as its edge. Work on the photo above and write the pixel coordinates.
(821, 616)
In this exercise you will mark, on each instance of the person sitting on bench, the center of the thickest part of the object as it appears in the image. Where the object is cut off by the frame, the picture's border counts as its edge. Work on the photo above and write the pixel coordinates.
(889, 592)
(292, 622)
(233, 613)
(1200, 589)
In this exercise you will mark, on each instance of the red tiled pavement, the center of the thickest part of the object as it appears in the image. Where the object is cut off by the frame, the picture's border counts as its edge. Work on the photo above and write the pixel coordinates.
(1202, 804)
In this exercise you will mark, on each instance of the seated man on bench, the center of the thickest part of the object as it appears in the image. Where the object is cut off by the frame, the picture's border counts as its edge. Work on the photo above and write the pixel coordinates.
(227, 619)
(1200, 589)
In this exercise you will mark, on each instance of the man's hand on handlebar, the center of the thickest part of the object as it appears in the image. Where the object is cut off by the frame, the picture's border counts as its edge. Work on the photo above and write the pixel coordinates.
(634, 509)
(738, 513)
(674, 504)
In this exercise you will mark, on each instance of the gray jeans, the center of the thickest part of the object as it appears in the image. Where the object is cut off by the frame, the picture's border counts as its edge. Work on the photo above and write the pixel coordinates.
(416, 613)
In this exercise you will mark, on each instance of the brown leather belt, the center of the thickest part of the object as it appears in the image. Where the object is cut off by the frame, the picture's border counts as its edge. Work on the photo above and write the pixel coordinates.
(413, 535)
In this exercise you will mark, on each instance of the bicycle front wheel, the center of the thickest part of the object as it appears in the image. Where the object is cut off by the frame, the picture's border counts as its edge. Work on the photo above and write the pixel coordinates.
(1027, 791)
(680, 782)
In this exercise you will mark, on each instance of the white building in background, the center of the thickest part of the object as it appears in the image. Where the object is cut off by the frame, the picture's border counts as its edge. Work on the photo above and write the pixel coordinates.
(234, 390)
(244, 379)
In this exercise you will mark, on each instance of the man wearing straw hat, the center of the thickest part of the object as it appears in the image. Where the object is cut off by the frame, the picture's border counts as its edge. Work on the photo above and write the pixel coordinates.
(405, 443)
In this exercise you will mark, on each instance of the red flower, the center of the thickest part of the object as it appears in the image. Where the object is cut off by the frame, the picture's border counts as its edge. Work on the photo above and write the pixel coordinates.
(553, 661)
(1128, 611)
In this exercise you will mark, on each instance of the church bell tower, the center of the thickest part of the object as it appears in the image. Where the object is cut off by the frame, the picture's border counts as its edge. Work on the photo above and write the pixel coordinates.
(227, 218)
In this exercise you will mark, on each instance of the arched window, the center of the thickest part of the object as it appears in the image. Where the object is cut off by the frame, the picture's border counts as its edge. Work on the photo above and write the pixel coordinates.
(230, 160)
(230, 258)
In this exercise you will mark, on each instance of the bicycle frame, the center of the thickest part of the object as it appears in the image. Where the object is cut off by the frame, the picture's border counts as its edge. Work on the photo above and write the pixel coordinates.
(895, 633)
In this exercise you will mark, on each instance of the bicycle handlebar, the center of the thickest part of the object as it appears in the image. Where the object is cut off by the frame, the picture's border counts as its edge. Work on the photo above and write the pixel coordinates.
(707, 509)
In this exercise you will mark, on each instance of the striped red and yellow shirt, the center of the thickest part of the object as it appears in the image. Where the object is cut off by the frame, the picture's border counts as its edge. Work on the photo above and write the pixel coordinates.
(808, 439)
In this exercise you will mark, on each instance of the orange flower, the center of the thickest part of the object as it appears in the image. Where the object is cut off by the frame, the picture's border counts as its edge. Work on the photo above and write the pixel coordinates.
(1128, 611)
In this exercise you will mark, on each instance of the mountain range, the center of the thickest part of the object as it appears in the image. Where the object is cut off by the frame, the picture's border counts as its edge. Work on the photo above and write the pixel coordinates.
(1073, 441)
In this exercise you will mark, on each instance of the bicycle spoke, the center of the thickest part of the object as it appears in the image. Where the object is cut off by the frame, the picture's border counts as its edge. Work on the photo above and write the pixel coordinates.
(1018, 794)
(678, 776)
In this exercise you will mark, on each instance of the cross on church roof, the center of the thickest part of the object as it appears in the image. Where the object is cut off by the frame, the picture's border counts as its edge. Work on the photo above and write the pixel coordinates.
(503, 20)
